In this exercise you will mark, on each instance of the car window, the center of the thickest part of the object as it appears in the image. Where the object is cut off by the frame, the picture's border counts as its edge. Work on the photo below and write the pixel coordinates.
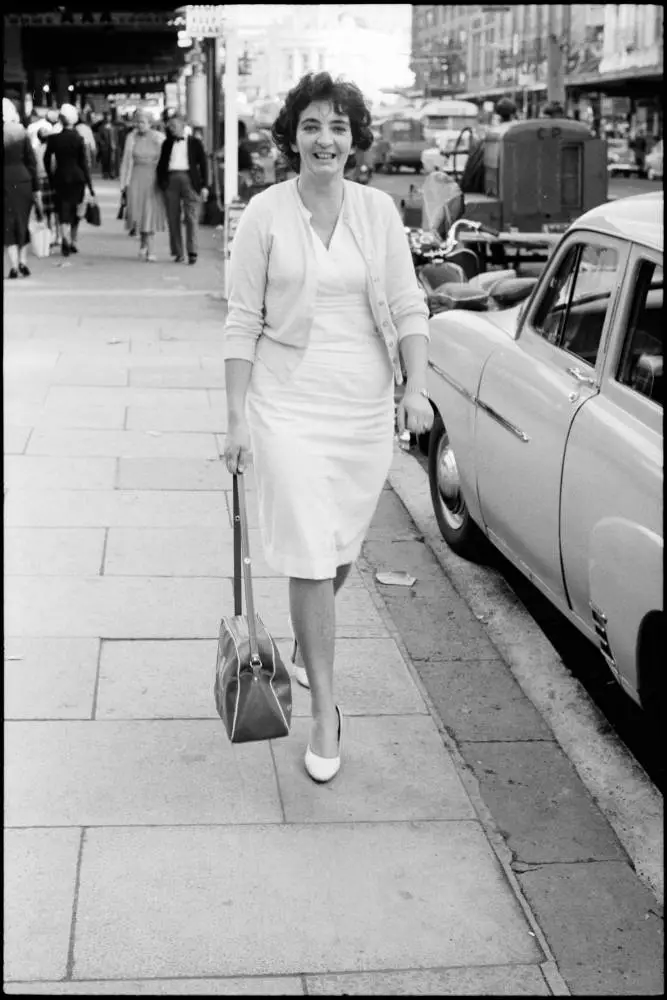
(573, 310)
(641, 362)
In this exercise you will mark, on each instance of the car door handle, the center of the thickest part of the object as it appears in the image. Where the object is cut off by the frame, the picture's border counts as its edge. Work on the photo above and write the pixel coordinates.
(581, 376)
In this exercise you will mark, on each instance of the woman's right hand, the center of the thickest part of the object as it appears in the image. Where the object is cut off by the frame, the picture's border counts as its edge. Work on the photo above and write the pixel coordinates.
(237, 446)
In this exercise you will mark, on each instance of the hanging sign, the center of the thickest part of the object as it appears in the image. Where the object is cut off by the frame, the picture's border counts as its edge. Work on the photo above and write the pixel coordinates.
(205, 21)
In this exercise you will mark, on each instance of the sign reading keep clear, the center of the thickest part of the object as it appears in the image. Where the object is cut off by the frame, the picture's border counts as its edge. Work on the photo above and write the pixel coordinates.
(205, 20)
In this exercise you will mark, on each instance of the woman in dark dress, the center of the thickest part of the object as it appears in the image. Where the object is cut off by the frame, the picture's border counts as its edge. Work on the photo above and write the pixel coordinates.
(21, 189)
(67, 167)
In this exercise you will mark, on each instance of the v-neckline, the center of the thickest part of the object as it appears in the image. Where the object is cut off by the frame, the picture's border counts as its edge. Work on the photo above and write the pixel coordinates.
(327, 249)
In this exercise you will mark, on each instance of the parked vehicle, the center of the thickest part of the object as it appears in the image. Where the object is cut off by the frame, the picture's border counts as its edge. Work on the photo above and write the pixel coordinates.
(620, 158)
(401, 143)
(548, 440)
(653, 163)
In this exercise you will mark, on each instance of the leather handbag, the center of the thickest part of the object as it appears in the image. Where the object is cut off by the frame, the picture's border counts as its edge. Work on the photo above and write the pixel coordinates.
(92, 215)
(253, 689)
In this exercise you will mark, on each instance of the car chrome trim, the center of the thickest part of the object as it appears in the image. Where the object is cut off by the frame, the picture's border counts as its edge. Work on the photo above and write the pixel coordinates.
(503, 422)
(454, 384)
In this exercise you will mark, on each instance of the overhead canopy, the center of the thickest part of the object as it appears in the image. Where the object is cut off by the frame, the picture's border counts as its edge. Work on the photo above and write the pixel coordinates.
(123, 51)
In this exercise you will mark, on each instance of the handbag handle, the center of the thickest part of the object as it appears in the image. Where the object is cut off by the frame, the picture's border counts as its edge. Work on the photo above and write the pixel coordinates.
(242, 564)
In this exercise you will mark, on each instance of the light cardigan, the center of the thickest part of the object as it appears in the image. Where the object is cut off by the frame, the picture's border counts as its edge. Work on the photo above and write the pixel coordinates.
(273, 276)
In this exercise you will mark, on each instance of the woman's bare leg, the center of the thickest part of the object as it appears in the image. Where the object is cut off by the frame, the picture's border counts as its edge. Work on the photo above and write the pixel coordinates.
(342, 574)
(313, 619)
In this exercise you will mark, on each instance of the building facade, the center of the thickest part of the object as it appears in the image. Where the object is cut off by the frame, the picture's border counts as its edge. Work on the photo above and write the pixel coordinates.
(481, 52)
(339, 38)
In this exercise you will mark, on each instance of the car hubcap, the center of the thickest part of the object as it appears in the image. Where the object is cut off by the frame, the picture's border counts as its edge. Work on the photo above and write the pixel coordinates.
(449, 484)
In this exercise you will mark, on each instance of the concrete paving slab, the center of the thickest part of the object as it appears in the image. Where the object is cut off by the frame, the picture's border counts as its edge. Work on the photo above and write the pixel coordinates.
(173, 347)
(70, 415)
(53, 551)
(21, 413)
(356, 615)
(35, 473)
(459, 635)
(77, 372)
(480, 700)
(79, 345)
(172, 329)
(15, 439)
(260, 986)
(157, 680)
(361, 886)
(419, 780)
(186, 474)
(135, 773)
(178, 552)
(25, 389)
(194, 378)
(168, 418)
(160, 608)
(602, 928)
(117, 607)
(174, 679)
(540, 804)
(115, 508)
(50, 678)
(493, 981)
(77, 395)
(370, 678)
(121, 444)
(39, 879)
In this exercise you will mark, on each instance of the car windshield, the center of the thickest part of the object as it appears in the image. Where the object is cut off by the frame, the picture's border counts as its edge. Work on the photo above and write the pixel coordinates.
(450, 122)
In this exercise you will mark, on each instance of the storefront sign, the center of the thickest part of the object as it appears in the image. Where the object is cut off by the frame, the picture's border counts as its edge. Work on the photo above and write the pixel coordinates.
(205, 21)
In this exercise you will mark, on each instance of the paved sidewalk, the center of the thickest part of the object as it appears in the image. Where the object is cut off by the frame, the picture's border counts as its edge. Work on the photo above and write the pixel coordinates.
(143, 853)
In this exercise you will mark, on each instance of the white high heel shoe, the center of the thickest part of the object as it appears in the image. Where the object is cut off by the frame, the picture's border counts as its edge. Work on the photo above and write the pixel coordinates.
(323, 769)
(299, 672)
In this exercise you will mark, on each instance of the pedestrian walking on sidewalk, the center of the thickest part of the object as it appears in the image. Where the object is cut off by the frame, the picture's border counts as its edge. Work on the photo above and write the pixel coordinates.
(107, 145)
(145, 210)
(48, 203)
(183, 176)
(67, 167)
(323, 305)
(21, 189)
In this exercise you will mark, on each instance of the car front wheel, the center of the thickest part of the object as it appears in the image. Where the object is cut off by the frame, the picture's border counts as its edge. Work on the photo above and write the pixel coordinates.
(451, 511)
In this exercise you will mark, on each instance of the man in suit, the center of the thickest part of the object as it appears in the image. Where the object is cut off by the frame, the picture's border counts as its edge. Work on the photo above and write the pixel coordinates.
(182, 173)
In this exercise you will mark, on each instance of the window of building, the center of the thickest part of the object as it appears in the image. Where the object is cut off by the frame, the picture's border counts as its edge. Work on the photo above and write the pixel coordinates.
(305, 62)
(290, 65)
(321, 61)
(642, 360)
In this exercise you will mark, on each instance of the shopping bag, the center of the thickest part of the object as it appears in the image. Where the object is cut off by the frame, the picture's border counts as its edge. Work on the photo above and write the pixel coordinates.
(122, 208)
(40, 238)
(92, 215)
(253, 689)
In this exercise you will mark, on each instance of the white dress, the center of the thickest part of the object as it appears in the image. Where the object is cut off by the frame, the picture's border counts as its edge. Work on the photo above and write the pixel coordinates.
(322, 441)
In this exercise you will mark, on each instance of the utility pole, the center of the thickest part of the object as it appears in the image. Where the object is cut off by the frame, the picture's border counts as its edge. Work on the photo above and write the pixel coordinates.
(555, 74)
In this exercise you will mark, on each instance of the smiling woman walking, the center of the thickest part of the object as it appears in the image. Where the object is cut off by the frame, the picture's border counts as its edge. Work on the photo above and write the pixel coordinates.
(322, 293)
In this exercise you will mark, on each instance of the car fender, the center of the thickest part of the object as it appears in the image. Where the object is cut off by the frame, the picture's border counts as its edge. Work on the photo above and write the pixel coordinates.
(620, 547)
(461, 343)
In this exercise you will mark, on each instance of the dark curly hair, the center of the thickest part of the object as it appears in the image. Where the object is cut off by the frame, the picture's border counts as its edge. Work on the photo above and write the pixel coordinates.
(346, 99)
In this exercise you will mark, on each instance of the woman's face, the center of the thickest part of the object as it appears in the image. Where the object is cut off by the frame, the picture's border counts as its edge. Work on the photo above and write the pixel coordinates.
(142, 123)
(323, 140)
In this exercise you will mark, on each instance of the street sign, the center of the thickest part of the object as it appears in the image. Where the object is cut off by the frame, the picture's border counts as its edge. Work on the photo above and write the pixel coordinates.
(205, 21)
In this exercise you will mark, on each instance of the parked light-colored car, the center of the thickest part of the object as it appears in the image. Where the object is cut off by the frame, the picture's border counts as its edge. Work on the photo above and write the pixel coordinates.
(654, 163)
(548, 439)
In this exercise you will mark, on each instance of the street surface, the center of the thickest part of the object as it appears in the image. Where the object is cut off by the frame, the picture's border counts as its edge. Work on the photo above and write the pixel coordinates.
(398, 185)
(459, 852)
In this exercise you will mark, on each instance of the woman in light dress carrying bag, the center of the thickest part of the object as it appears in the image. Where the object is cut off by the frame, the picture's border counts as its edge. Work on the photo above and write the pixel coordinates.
(323, 304)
